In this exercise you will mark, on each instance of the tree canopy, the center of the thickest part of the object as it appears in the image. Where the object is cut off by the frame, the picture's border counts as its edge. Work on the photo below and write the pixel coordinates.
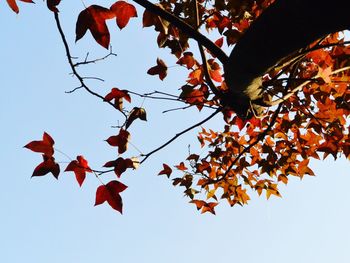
(306, 87)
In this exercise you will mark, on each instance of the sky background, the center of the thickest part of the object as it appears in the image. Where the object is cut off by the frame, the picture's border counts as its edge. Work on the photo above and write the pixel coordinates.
(43, 220)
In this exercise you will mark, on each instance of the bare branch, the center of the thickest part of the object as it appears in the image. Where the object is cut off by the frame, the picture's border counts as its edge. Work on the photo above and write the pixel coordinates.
(146, 156)
(70, 61)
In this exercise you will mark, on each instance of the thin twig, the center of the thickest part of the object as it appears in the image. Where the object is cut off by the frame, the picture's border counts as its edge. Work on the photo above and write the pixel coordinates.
(146, 156)
(70, 61)
(86, 62)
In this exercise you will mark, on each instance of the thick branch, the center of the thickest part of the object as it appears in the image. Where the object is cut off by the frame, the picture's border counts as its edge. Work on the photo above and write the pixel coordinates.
(186, 28)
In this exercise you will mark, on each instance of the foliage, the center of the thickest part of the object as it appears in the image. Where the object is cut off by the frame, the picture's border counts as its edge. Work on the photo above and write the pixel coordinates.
(310, 122)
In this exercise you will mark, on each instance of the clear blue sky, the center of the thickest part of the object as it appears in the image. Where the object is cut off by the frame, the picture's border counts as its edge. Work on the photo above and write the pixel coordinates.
(44, 220)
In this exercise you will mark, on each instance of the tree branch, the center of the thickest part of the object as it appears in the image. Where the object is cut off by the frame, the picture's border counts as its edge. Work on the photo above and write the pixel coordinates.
(186, 28)
(73, 66)
(146, 156)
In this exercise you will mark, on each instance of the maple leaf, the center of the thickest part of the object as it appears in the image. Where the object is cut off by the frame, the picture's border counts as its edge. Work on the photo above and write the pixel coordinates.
(47, 166)
(94, 19)
(181, 167)
(215, 70)
(120, 165)
(136, 113)
(118, 96)
(204, 206)
(80, 167)
(110, 193)
(45, 146)
(325, 74)
(187, 59)
(120, 140)
(51, 4)
(160, 69)
(166, 170)
(14, 6)
(123, 12)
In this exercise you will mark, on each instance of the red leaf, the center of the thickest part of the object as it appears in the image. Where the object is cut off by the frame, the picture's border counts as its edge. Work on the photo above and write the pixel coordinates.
(219, 42)
(110, 193)
(123, 12)
(94, 19)
(45, 146)
(240, 123)
(160, 69)
(47, 166)
(14, 6)
(136, 113)
(166, 170)
(118, 95)
(51, 4)
(120, 140)
(80, 167)
(120, 165)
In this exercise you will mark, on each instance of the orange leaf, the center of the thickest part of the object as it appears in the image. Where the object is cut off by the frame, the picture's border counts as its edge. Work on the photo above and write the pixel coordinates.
(123, 12)
(187, 59)
(181, 167)
(94, 19)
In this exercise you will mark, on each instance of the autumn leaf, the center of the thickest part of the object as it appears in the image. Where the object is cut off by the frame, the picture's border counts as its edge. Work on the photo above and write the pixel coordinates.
(45, 146)
(14, 6)
(123, 12)
(181, 167)
(160, 69)
(110, 193)
(325, 74)
(80, 167)
(166, 170)
(120, 165)
(187, 60)
(204, 206)
(136, 113)
(120, 140)
(118, 95)
(219, 42)
(47, 166)
(215, 70)
(94, 19)
(51, 4)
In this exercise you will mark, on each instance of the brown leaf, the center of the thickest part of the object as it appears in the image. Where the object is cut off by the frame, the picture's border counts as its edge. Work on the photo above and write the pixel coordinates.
(120, 140)
(160, 69)
(166, 170)
(136, 113)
